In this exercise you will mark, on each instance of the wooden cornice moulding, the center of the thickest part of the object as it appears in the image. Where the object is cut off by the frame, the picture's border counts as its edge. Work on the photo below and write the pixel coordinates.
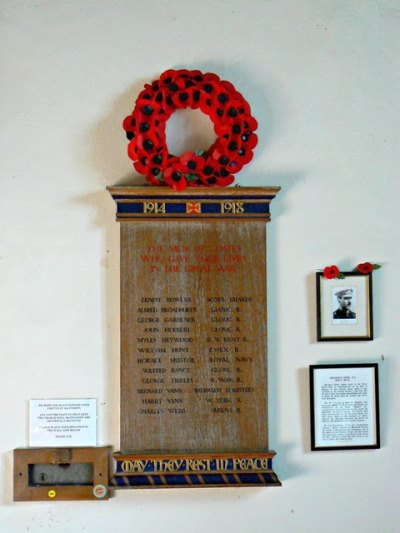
(195, 203)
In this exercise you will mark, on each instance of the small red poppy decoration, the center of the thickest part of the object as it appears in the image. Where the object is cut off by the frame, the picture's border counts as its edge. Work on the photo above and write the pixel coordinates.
(367, 268)
(226, 107)
(331, 272)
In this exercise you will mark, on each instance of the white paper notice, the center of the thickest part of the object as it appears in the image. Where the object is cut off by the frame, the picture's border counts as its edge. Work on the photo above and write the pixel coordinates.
(66, 422)
(345, 407)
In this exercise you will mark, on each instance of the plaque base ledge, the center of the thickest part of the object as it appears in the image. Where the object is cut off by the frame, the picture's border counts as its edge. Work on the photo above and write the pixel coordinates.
(152, 471)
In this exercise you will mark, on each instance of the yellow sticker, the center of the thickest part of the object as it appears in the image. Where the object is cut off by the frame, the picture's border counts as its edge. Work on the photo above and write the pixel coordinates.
(52, 493)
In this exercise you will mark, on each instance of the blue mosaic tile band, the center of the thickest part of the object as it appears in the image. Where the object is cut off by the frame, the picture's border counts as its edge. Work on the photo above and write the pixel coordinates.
(195, 480)
(180, 208)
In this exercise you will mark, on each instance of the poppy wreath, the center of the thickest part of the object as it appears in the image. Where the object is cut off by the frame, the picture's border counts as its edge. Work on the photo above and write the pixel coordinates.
(180, 89)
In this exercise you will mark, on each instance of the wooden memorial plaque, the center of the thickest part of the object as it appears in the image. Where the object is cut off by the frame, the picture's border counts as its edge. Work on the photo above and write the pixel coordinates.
(193, 337)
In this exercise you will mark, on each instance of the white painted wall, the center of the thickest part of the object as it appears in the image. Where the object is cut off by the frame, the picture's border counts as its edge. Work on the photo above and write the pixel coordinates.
(323, 80)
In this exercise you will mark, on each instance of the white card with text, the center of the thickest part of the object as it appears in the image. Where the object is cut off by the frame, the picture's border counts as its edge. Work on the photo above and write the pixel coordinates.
(63, 422)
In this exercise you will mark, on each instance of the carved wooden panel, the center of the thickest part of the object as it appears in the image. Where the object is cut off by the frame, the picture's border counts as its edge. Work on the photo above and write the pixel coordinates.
(193, 336)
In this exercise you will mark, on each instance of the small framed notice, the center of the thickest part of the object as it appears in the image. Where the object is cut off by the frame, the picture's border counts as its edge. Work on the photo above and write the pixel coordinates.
(63, 422)
(344, 406)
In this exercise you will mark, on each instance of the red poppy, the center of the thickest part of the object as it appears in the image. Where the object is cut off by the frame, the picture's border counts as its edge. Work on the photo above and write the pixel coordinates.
(244, 157)
(227, 85)
(195, 183)
(182, 73)
(192, 162)
(242, 144)
(231, 154)
(251, 123)
(141, 165)
(234, 110)
(220, 148)
(195, 74)
(158, 159)
(249, 139)
(223, 130)
(167, 77)
(365, 268)
(210, 77)
(132, 150)
(146, 109)
(208, 171)
(147, 143)
(129, 125)
(224, 181)
(183, 98)
(212, 96)
(146, 93)
(331, 272)
(155, 179)
(174, 176)
(215, 180)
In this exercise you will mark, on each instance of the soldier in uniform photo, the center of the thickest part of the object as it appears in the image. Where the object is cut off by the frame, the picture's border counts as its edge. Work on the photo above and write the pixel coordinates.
(344, 298)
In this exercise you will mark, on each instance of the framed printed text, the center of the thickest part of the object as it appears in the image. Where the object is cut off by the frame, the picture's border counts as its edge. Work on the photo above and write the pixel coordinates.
(344, 401)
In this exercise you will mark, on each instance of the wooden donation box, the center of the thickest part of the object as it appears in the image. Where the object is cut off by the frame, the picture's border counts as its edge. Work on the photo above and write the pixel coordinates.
(194, 397)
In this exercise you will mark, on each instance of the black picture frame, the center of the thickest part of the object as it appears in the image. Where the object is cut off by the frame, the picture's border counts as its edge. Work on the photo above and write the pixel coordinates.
(344, 406)
(333, 324)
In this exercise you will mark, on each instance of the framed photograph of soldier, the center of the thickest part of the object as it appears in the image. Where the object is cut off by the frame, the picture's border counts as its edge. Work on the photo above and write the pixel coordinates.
(344, 406)
(344, 307)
